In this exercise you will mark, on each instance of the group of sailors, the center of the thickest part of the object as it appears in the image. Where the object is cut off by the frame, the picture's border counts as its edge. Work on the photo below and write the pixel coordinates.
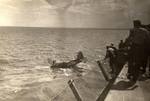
(134, 50)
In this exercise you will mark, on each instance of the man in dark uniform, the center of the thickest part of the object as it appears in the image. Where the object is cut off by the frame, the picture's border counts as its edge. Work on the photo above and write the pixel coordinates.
(139, 39)
(111, 55)
(148, 52)
(146, 61)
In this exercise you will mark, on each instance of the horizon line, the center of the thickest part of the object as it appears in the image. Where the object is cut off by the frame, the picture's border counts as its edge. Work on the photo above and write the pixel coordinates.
(102, 28)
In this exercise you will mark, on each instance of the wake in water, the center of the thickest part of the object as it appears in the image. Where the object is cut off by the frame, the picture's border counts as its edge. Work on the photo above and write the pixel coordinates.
(69, 67)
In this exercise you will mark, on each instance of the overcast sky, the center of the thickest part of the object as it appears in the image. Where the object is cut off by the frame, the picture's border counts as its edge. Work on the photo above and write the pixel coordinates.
(73, 13)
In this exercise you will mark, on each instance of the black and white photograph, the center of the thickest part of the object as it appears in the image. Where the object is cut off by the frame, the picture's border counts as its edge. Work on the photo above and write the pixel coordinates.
(74, 50)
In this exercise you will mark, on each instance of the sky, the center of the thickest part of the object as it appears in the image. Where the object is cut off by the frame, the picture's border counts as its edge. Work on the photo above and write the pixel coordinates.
(74, 13)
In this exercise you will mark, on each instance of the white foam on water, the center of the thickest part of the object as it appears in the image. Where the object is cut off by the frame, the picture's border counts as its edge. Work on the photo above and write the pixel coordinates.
(27, 51)
(42, 67)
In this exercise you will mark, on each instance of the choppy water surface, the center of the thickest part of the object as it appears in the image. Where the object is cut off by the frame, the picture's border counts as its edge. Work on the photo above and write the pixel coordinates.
(24, 53)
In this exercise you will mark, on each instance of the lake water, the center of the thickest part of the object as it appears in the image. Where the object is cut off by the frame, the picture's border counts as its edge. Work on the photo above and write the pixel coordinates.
(24, 53)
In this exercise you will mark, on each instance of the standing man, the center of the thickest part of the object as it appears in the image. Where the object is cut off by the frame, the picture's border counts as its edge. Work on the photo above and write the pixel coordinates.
(146, 62)
(111, 55)
(139, 40)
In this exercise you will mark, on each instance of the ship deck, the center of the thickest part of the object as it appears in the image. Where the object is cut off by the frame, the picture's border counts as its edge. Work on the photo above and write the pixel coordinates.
(123, 90)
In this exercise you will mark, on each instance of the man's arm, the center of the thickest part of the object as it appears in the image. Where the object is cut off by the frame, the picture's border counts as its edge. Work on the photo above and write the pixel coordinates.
(107, 55)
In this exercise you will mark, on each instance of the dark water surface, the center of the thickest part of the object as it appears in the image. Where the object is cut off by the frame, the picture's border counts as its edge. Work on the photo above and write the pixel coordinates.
(24, 53)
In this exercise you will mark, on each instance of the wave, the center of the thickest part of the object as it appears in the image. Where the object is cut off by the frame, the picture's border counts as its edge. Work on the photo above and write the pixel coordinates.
(4, 61)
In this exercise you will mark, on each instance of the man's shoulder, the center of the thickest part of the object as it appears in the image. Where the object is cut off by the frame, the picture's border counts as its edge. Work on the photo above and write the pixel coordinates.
(143, 29)
(112, 48)
(136, 30)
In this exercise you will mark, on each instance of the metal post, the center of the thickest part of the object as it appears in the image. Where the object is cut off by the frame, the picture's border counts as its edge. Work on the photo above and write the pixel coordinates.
(103, 71)
(105, 91)
(74, 90)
